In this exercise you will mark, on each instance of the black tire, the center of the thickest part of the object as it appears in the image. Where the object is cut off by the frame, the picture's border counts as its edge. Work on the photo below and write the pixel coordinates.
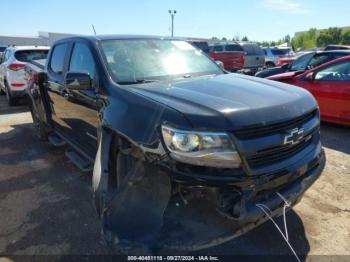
(121, 164)
(10, 100)
(39, 126)
(270, 65)
(118, 165)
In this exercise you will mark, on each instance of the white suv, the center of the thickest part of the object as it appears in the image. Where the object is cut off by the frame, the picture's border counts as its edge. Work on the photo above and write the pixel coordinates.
(13, 61)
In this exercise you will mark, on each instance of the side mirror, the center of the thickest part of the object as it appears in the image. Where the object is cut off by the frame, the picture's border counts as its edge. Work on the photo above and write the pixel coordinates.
(220, 64)
(77, 80)
(310, 76)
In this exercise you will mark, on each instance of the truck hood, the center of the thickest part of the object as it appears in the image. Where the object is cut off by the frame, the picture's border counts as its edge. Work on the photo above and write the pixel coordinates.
(230, 101)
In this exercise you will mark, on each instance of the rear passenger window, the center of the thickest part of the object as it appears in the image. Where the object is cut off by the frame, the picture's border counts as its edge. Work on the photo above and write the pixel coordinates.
(218, 48)
(248, 49)
(233, 48)
(258, 50)
(57, 58)
(82, 60)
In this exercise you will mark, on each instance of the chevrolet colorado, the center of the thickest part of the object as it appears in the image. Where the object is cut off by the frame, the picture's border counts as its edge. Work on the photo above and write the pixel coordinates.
(181, 151)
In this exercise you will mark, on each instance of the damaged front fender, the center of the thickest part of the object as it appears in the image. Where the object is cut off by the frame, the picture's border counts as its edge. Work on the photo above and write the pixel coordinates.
(134, 212)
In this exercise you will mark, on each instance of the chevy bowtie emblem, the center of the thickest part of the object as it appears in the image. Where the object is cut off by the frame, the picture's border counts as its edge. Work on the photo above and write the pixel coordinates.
(294, 136)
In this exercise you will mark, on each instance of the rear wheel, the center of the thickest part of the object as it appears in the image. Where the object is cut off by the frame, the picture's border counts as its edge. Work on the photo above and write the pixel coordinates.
(10, 100)
(40, 129)
(270, 65)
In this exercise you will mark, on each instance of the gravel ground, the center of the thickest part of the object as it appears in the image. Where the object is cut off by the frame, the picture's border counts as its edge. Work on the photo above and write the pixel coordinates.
(46, 205)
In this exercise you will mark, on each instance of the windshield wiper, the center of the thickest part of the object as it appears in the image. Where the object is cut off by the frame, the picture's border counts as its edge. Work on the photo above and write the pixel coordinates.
(138, 81)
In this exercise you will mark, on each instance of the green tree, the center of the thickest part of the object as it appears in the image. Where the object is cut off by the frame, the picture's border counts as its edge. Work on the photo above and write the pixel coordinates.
(305, 40)
(265, 44)
(286, 39)
(224, 39)
(332, 35)
(345, 38)
(245, 38)
(324, 39)
(214, 38)
(236, 38)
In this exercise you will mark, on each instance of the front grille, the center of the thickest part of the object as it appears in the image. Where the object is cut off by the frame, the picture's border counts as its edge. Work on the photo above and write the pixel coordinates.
(273, 155)
(257, 131)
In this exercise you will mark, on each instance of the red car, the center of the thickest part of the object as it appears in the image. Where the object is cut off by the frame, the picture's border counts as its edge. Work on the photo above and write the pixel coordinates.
(231, 55)
(330, 85)
(286, 60)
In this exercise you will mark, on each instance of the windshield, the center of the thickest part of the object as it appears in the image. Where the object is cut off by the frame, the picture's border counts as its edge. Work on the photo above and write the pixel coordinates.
(143, 60)
(301, 62)
(29, 55)
(280, 51)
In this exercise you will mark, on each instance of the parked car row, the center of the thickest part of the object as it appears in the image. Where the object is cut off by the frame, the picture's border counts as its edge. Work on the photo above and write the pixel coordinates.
(304, 62)
(329, 83)
(278, 56)
(235, 56)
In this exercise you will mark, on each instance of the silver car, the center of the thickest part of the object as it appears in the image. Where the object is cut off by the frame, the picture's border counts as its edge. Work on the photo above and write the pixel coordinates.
(273, 55)
(254, 56)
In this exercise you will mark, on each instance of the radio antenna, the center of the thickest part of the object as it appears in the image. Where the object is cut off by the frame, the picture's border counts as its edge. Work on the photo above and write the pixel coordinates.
(93, 28)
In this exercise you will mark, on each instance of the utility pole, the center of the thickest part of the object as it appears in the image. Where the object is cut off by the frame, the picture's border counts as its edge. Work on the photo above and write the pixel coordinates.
(172, 14)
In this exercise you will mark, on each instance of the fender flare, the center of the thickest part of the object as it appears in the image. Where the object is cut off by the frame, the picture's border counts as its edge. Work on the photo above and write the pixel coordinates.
(101, 170)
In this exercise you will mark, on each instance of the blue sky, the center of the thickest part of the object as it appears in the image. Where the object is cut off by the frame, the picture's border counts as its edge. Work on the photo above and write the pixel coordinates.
(258, 19)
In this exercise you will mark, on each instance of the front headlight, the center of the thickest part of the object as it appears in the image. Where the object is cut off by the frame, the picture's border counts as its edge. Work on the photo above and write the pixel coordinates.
(201, 148)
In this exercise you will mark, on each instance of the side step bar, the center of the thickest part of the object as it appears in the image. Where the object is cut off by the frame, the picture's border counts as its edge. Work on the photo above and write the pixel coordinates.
(56, 140)
(82, 163)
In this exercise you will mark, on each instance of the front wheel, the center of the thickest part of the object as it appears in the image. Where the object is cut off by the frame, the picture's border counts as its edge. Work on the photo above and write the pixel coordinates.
(270, 65)
(131, 196)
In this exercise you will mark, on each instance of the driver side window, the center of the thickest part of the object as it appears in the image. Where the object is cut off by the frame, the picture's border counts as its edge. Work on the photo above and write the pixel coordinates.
(82, 60)
(337, 72)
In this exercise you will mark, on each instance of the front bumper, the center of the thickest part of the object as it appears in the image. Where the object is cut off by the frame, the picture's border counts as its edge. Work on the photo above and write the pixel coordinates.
(222, 227)
(18, 92)
(293, 192)
(248, 188)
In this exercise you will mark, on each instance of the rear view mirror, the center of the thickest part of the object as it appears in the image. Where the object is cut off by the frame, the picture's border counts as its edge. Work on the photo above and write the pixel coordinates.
(310, 76)
(77, 80)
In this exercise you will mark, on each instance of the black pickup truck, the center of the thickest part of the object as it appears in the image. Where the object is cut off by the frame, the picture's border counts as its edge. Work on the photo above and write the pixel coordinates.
(181, 151)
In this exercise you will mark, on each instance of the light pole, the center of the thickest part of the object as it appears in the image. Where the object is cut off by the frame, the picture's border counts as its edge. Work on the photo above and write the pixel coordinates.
(172, 14)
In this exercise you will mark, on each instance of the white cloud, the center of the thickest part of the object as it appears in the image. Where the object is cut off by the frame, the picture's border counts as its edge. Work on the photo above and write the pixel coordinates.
(290, 6)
